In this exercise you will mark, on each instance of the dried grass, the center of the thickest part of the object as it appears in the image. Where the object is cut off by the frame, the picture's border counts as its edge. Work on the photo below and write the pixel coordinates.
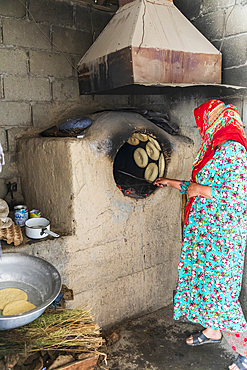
(56, 329)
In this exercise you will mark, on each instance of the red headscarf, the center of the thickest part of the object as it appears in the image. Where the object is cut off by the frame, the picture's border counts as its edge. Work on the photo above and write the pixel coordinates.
(216, 123)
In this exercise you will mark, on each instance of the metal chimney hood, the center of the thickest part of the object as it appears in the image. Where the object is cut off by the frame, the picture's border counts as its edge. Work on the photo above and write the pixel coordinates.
(151, 43)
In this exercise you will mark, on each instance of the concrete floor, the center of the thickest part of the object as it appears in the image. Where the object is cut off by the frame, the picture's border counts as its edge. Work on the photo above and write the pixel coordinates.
(157, 342)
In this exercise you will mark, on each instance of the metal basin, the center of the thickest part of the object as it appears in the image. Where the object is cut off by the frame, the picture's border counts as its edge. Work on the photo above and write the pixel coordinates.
(37, 277)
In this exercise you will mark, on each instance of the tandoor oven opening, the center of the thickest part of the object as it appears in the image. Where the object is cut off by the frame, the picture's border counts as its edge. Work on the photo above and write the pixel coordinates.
(137, 164)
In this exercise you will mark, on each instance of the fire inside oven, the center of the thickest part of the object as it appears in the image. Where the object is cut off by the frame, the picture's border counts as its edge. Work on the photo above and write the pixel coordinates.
(138, 163)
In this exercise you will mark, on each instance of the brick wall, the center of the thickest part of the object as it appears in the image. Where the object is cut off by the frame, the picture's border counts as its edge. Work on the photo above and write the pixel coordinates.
(223, 22)
(39, 88)
(38, 81)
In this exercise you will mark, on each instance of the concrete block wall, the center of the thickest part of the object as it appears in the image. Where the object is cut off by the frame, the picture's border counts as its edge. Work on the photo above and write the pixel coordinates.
(41, 42)
(39, 88)
(223, 22)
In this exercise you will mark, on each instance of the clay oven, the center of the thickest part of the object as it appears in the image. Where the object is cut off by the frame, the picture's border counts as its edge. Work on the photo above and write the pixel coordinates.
(119, 248)
(132, 151)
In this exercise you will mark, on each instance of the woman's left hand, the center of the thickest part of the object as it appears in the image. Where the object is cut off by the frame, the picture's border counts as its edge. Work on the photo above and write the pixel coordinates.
(195, 189)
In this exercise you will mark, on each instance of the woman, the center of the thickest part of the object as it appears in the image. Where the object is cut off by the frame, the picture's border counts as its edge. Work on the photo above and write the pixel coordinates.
(215, 234)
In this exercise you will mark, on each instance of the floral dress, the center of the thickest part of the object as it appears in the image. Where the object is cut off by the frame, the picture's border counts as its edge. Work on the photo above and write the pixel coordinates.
(212, 256)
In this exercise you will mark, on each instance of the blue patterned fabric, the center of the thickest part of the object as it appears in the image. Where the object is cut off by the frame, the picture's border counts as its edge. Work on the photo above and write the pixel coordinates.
(183, 187)
(212, 256)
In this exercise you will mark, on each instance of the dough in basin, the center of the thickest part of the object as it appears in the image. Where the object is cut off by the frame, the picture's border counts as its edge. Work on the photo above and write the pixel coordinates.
(11, 294)
(17, 307)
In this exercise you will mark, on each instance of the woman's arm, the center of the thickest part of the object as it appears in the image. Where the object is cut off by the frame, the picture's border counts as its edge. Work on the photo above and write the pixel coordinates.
(193, 189)
(162, 181)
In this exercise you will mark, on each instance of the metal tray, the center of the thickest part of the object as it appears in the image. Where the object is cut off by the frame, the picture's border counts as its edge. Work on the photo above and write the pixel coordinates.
(37, 277)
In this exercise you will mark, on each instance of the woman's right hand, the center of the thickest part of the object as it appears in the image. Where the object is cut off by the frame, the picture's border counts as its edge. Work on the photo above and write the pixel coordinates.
(161, 182)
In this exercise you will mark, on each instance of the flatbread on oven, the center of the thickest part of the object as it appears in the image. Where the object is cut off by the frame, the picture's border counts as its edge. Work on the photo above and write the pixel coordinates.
(155, 142)
(151, 172)
(152, 151)
(161, 165)
(141, 157)
(133, 141)
(140, 136)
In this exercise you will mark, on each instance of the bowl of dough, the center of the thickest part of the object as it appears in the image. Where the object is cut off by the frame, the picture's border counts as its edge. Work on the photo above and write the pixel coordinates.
(28, 285)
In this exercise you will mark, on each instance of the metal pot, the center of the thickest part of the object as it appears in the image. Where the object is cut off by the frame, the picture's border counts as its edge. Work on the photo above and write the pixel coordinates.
(38, 228)
(35, 276)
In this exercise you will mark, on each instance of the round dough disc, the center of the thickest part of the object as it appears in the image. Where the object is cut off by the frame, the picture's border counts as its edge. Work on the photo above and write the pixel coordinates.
(155, 142)
(11, 294)
(141, 137)
(152, 151)
(151, 172)
(161, 165)
(4, 209)
(133, 141)
(17, 307)
(141, 157)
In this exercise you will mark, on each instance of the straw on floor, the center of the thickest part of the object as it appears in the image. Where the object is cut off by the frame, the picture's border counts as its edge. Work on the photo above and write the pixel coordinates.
(56, 329)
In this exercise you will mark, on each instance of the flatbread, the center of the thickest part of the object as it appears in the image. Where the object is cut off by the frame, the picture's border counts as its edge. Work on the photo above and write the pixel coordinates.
(133, 141)
(152, 151)
(141, 137)
(4, 208)
(11, 294)
(141, 157)
(17, 307)
(155, 142)
(161, 165)
(151, 172)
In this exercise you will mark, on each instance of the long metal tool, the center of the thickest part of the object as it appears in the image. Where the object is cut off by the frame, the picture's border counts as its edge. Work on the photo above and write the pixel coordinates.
(129, 174)
(147, 184)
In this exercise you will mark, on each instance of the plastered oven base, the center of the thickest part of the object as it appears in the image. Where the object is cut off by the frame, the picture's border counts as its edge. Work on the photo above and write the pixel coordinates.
(122, 254)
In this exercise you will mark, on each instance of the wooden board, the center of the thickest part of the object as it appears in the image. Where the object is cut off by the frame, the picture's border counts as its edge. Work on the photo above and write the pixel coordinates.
(85, 364)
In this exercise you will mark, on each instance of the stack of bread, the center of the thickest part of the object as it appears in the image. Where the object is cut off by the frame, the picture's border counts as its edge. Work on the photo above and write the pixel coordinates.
(14, 301)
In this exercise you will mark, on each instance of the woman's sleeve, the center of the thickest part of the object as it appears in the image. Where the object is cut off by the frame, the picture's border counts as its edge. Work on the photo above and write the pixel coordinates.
(233, 176)
(183, 187)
